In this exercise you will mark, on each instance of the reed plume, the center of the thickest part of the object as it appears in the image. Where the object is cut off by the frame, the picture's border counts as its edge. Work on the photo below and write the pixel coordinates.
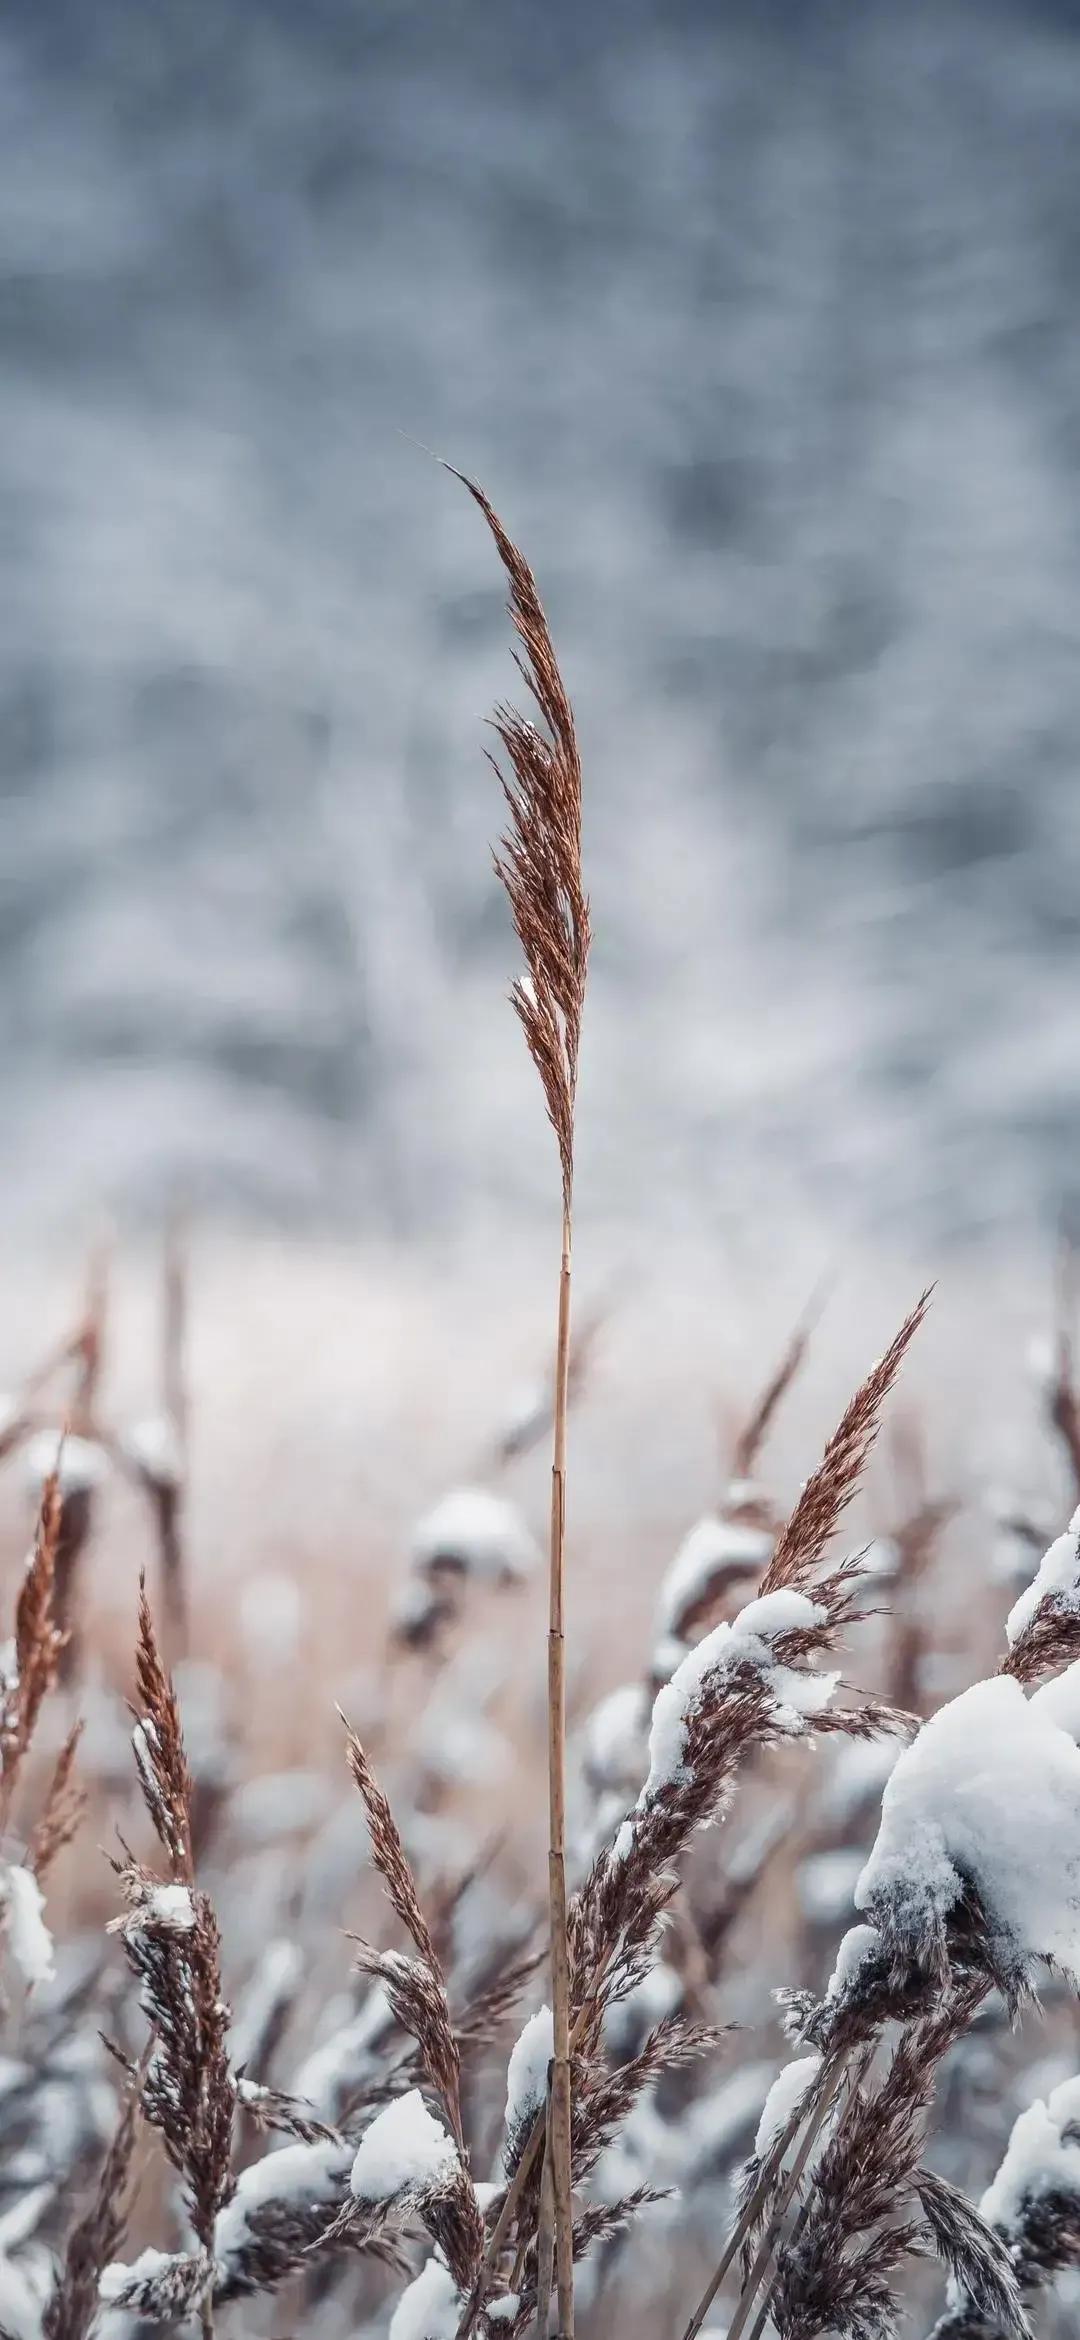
(37, 1651)
(830, 1489)
(97, 2235)
(415, 1987)
(539, 863)
(171, 1939)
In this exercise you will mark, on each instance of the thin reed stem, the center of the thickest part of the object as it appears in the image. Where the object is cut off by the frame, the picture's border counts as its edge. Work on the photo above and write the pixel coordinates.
(519, 2181)
(545, 2239)
(765, 2258)
(559, 2128)
(539, 864)
(744, 2224)
(170, 1496)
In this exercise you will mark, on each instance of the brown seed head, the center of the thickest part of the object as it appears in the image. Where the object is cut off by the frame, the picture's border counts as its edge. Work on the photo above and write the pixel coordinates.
(539, 861)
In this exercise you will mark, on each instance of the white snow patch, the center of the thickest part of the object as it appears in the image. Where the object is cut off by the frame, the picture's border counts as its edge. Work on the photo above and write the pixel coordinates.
(785, 2098)
(251, 2091)
(430, 2308)
(859, 1944)
(527, 2071)
(290, 2174)
(81, 1465)
(624, 1843)
(405, 2151)
(797, 1694)
(1057, 1577)
(1059, 1700)
(741, 1493)
(713, 1547)
(20, 2302)
(117, 2280)
(153, 1445)
(29, 1939)
(477, 1531)
(170, 1907)
(1042, 2157)
(989, 1792)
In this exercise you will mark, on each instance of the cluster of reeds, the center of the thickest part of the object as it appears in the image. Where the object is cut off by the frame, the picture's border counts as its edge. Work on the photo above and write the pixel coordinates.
(505, 2111)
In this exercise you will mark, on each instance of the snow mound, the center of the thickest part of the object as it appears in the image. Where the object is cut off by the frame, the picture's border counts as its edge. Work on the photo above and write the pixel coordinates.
(292, 2175)
(714, 1549)
(1042, 2157)
(429, 2309)
(796, 1694)
(988, 1794)
(405, 2151)
(527, 2072)
(28, 1936)
(477, 1531)
(1057, 1578)
(786, 2097)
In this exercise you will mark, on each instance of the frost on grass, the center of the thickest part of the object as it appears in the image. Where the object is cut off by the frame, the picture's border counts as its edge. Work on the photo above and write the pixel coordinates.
(527, 2075)
(987, 1796)
(796, 1694)
(1057, 1579)
(28, 1938)
(785, 2099)
(406, 2151)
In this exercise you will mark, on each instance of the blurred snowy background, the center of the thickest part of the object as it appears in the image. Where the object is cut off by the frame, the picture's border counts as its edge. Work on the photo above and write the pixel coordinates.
(760, 324)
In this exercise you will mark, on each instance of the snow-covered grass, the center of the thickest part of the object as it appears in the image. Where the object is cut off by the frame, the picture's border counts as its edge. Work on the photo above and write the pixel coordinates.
(837, 1858)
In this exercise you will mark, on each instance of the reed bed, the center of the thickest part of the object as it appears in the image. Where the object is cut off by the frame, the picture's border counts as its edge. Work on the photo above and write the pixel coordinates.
(321, 2050)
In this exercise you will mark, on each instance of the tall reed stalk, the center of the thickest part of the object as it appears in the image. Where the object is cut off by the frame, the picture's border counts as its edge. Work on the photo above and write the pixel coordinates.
(539, 863)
